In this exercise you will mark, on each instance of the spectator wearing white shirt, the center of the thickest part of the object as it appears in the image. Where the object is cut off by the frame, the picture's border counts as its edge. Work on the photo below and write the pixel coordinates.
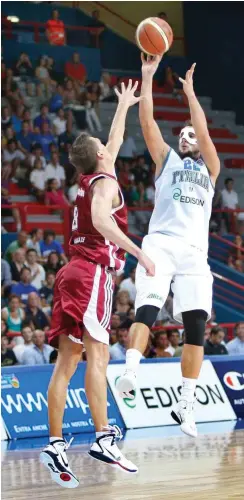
(150, 194)
(39, 352)
(36, 154)
(229, 200)
(55, 171)
(37, 180)
(19, 349)
(236, 346)
(38, 274)
(36, 235)
(129, 285)
(11, 152)
(128, 148)
(60, 123)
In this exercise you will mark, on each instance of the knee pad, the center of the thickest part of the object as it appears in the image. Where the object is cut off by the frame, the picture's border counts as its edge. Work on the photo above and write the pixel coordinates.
(194, 324)
(147, 315)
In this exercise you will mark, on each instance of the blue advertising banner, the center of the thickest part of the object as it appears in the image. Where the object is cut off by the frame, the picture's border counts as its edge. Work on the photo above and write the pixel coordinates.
(24, 402)
(230, 371)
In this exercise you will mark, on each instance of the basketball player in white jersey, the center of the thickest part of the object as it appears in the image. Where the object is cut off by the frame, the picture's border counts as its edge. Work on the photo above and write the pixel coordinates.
(177, 242)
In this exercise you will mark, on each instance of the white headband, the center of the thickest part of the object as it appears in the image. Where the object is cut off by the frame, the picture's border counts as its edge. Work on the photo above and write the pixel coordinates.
(186, 135)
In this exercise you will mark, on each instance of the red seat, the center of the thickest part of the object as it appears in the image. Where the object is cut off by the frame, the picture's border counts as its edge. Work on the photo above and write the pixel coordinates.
(174, 116)
(234, 163)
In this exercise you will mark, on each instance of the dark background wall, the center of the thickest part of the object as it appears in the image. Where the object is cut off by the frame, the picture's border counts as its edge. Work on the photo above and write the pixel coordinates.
(214, 33)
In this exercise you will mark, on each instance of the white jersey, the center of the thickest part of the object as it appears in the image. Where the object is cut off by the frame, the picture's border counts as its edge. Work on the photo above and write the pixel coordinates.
(183, 201)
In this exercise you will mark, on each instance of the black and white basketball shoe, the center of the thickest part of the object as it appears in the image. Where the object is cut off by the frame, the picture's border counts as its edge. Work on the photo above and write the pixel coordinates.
(55, 459)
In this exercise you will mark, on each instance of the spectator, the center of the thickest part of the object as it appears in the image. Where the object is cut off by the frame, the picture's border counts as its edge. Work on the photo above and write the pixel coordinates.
(57, 99)
(47, 290)
(229, 201)
(118, 350)
(179, 349)
(53, 262)
(55, 30)
(122, 303)
(36, 154)
(8, 357)
(166, 313)
(162, 349)
(129, 285)
(39, 352)
(27, 335)
(6, 200)
(37, 180)
(115, 321)
(23, 288)
(163, 16)
(60, 122)
(6, 276)
(214, 345)
(49, 244)
(24, 67)
(238, 252)
(128, 149)
(75, 70)
(150, 193)
(34, 314)
(55, 171)
(92, 99)
(236, 346)
(71, 94)
(174, 340)
(13, 315)
(6, 118)
(46, 139)
(66, 138)
(43, 76)
(239, 265)
(141, 171)
(106, 91)
(38, 274)
(17, 264)
(36, 236)
(25, 138)
(43, 117)
(19, 243)
(12, 152)
(215, 221)
(54, 195)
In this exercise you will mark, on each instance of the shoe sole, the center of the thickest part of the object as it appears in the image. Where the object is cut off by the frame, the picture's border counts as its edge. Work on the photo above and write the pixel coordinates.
(125, 389)
(68, 482)
(115, 465)
(176, 419)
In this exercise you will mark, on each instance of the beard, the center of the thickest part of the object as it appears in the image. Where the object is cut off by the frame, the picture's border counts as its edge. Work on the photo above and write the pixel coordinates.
(189, 154)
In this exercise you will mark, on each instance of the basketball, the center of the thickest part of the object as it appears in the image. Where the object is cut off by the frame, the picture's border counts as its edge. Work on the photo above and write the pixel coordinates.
(154, 36)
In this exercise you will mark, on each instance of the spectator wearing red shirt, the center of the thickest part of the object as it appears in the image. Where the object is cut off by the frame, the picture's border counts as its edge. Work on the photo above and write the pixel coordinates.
(55, 30)
(54, 195)
(75, 70)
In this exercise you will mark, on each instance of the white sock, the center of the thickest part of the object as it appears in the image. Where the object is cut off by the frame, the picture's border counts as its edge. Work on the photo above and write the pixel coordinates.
(54, 438)
(133, 358)
(188, 388)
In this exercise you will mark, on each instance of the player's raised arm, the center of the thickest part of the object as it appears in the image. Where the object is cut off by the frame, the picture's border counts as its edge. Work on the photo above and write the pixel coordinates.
(199, 123)
(151, 132)
(104, 191)
(126, 99)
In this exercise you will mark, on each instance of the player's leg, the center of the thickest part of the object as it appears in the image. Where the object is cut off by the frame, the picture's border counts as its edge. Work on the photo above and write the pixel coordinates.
(192, 303)
(104, 448)
(54, 455)
(152, 293)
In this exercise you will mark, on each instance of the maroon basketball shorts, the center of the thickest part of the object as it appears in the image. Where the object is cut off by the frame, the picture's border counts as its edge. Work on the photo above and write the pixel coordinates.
(83, 297)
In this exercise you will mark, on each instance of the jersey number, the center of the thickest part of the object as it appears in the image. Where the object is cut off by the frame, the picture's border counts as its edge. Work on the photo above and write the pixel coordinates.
(188, 164)
(75, 219)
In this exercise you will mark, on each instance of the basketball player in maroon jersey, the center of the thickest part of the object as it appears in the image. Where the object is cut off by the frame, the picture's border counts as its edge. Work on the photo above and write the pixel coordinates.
(83, 294)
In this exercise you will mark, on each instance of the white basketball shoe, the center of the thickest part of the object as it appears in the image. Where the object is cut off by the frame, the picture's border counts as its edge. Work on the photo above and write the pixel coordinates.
(55, 459)
(106, 450)
(183, 414)
(127, 384)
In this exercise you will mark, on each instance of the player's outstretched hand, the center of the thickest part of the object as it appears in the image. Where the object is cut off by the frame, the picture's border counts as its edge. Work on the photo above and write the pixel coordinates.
(188, 82)
(147, 264)
(126, 94)
(149, 64)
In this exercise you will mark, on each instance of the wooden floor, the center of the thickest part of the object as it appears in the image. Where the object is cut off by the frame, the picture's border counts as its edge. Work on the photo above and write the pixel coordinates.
(170, 467)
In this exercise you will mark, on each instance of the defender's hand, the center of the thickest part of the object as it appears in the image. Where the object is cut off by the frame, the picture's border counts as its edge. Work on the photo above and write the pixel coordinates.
(147, 263)
(149, 64)
(126, 95)
(188, 82)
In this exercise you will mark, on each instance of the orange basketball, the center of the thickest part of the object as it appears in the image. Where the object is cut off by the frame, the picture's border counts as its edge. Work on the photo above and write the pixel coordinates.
(154, 36)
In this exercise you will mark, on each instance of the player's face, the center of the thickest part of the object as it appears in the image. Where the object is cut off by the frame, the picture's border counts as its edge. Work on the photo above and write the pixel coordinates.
(188, 143)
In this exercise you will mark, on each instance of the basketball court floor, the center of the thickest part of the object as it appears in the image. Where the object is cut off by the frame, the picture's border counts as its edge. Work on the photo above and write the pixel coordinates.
(171, 466)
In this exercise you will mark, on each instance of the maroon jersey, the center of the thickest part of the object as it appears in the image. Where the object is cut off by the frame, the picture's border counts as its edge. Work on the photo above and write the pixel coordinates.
(86, 241)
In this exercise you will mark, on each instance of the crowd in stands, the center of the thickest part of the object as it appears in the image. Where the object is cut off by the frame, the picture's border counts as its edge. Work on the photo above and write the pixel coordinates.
(42, 112)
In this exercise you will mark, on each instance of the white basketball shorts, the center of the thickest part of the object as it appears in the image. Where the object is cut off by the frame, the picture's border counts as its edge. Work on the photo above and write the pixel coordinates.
(174, 260)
